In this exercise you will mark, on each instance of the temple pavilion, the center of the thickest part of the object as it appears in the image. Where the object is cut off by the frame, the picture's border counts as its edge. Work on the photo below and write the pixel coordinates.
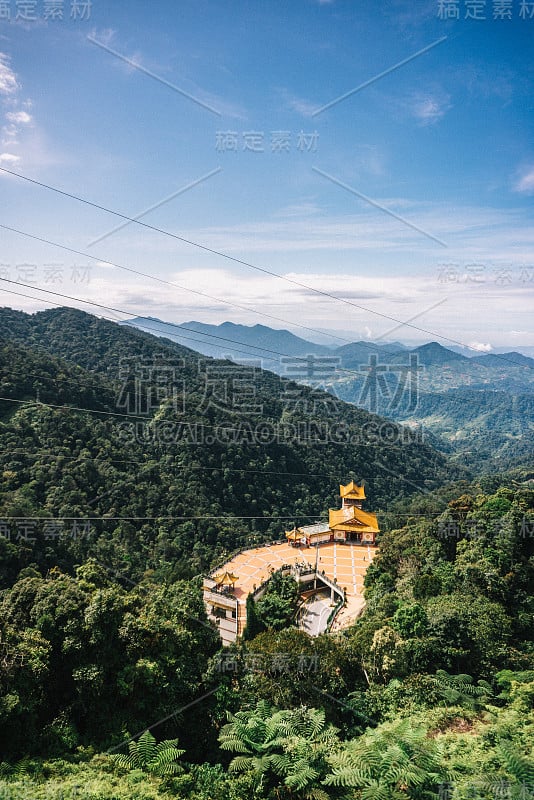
(346, 524)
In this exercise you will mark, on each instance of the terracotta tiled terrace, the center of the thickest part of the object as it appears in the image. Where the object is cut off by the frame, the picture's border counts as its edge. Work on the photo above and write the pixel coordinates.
(346, 563)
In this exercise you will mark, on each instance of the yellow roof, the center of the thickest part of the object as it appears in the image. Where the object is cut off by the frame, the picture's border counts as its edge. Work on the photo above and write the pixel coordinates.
(354, 517)
(294, 534)
(225, 579)
(352, 491)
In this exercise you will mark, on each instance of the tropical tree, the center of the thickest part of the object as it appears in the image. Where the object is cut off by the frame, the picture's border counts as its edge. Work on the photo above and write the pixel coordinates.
(278, 606)
(254, 624)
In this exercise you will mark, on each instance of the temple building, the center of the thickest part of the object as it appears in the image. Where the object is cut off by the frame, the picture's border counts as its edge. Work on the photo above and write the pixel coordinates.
(346, 524)
(330, 577)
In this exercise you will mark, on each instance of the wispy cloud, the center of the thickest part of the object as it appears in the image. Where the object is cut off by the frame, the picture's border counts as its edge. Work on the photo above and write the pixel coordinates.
(10, 94)
(19, 117)
(380, 206)
(474, 232)
(21, 139)
(378, 77)
(104, 35)
(430, 108)
(487, 80)
(296, 210)
(525, 182)
(476, 309)
(9, 136)
(136, 62)
(300, 105)
(8, 80)
(9, 158)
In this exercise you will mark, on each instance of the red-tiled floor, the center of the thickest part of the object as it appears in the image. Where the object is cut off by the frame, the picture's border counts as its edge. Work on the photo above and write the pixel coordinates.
(347, 563)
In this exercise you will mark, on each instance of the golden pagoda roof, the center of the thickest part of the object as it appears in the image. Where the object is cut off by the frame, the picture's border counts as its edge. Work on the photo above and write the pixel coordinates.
(225, 579)
(352, 491)
(294, 534)
(353, 517)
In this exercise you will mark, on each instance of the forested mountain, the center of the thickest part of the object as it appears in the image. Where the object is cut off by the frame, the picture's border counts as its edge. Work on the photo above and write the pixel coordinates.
(222, 455)
(479, 428)
(441, 368)
(259, 341)
(478, 409)
(433, 687)
(496, 360)
(129, 465)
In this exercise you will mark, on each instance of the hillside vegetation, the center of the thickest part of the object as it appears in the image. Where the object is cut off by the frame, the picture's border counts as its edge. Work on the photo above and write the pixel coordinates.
(115, 686)
(225, 458)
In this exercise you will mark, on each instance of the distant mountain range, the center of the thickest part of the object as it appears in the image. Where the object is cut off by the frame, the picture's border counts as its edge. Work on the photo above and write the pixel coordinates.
(477, 408)
(273, 347)
(239, 342)
(71, 380)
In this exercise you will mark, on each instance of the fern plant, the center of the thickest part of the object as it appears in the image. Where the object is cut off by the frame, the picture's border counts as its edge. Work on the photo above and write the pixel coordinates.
(460, 690)
(519, 766)
(158, 758)
(393, 762)
(284, 751)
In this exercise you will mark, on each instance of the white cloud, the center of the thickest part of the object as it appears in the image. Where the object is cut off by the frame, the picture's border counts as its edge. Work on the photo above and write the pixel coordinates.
(19, 117)
(525, 183)
(104, 265)
(299, 210)
(104, 35)
(9, 136)
(480, 347)
(465, 313)
(8, 158)
(293, 102)
(430, 108)
(9, 89)
(468, 316)
(20, 138)
(8, 80)
(301, 106)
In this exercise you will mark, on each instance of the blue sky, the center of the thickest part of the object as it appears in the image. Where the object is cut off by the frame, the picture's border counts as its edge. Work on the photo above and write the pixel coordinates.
(412, 197)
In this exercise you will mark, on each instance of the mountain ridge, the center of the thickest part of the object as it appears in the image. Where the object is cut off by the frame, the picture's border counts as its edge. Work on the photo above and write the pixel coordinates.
(433, 353)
